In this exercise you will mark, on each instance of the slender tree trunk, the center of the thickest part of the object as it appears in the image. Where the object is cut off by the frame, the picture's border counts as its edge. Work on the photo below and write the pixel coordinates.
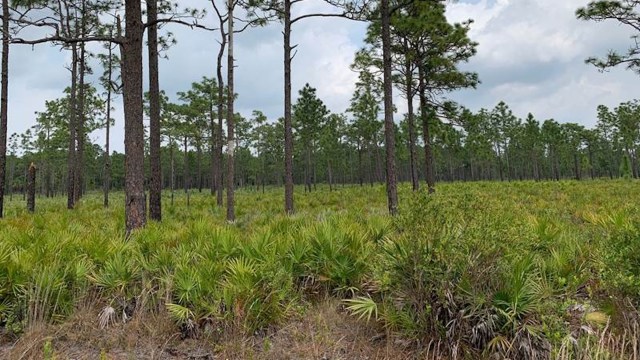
(392, 191)
(360, 167)
(186, 178)
(4, 92)
(315, 174)
(506, 153)
(231, 214)
(199, 161)
(173, 170)
(135, 202)
(428, 151)
(80, 119)
(415, 183)
(213, 145)
(107, 156)
(288, 132)
(591, 165)
(31, 188)
(155, 183)
(371, 171)
(307, 180)
(71, 156)
(634, 164)
(218, 161)
(499, 161)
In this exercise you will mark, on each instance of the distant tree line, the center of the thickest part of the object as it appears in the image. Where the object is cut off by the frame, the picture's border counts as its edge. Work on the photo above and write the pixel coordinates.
(336, 149)
(410, 46)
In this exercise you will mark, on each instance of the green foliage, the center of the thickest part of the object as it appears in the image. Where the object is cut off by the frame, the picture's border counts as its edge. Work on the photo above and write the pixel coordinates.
(625, 13)
(363, 307)
(495, 268)
(625, 167)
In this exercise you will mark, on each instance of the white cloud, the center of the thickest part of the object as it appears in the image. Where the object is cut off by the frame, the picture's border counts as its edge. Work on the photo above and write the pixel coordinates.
(531, 55)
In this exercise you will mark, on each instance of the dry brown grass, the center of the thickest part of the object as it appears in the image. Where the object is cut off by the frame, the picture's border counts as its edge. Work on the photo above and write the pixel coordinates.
(325, 332)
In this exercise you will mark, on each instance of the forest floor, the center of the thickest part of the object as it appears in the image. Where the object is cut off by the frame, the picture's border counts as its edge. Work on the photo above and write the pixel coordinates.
(326, 332)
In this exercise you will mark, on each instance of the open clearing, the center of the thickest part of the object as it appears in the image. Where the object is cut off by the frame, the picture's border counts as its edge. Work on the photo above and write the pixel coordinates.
(518, 270)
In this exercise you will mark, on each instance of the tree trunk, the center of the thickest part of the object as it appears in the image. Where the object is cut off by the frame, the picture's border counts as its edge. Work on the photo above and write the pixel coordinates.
(173, 170)
(218, 156)
(80, 120)
(428, 152)
(499, 152)
(155, 183)
(415, 183)
(392, 191)
(213, 145)
(360, 167)
(555, 166)
(31, 188)
(186, 178)
(3, 103)
(288, 132)
(591, 165)
(634, 164)
(107, 156)
(231, 214)
(199, 161)
(71, 156)
(307, 180)
(371, 171)
(135, 202)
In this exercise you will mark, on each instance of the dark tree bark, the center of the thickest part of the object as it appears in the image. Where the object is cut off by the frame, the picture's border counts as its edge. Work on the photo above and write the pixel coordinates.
(173, 170)
(392, 191)
(80, 125)
(231, 215)
(217, 159)
(213, 146)
(4, 92)
(199, 161)
(308, 172)
(591, 167)
(576, 166)
(47, 166)
(288, 132)
(71, 156)
(155, 186)
(31, 188)
(360, 166)
(135, 202)
(428, 151)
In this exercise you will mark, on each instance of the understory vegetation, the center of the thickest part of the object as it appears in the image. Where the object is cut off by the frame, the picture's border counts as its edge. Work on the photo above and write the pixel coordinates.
(522, 270)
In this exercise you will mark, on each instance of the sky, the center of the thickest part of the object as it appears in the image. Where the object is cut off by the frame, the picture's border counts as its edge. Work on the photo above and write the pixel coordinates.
(530, 55)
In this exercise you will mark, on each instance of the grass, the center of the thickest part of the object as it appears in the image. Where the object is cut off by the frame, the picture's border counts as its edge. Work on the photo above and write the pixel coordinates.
(517, 270)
